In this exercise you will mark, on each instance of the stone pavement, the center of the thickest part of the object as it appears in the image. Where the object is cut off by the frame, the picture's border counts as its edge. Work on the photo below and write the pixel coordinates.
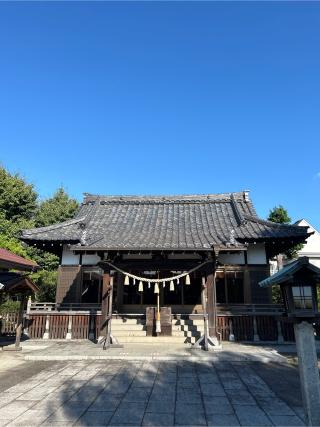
(55, 350)
(156, 393)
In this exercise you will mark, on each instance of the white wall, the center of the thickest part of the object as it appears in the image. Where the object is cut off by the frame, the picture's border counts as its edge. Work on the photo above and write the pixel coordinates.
(315, 261)
(256, 254)
(91, 259)
(312, 247)
(68, 257)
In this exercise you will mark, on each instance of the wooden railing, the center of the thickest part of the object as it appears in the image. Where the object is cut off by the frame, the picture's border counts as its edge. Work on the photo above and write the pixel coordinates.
(221, 308)
(243, 322)
(252, 323)
(50, 306)
(8, 323)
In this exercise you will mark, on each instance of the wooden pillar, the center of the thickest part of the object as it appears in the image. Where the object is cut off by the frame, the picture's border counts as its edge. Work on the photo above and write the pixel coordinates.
(27, 318)
(20, 322)
(104, 305)
(204, 338)
(211, 304)
(209, 339)
(46, 334)
(280, 336)
(109, 314)
(69, 331)
(246, 286)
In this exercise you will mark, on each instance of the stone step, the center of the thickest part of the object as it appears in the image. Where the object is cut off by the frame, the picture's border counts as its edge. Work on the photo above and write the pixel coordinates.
(156, 340)
(129, 333)
(187, 328)
(125, 327)
(128, 321)
(188, 322)
(186, 334)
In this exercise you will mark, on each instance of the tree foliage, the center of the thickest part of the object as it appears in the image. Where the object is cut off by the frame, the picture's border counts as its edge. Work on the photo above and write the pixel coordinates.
(20, 209)
(8, 235)
(46, 281)
(18, 199)
(280, 215)
(58, 208)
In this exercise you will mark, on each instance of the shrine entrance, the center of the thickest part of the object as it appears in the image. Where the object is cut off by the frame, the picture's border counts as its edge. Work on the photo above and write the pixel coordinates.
(170, 294)
(158, 294)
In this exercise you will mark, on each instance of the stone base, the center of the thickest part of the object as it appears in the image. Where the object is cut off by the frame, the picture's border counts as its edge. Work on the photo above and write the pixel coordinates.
(12, 349)
(212, 344)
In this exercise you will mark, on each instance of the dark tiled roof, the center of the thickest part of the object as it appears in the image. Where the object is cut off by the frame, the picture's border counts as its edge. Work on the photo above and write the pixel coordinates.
(164, 222)
(288, 270)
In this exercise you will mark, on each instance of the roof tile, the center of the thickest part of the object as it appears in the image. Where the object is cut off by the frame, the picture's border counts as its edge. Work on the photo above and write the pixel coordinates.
(164, 222)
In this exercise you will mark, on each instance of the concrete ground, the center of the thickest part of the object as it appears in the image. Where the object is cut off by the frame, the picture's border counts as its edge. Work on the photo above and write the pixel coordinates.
(55, 350)
(251, 387)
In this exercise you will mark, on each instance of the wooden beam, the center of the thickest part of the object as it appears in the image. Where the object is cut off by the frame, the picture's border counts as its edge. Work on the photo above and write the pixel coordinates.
(211, 304)
(104, 306)
(151, 265)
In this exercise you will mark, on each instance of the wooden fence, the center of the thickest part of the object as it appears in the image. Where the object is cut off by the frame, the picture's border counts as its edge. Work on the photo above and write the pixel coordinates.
(75, 325)
(245, 322)
(8, 323)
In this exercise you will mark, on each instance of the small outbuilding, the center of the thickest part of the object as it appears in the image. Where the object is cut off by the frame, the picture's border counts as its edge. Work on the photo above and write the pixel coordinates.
(298, 282)
(14, 283)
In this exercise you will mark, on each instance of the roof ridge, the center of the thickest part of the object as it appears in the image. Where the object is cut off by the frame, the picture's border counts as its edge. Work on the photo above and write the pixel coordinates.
(238, 214)
(162, 197)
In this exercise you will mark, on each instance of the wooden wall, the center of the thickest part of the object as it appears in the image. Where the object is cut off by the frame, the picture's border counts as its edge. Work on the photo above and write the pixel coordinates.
(69, 284)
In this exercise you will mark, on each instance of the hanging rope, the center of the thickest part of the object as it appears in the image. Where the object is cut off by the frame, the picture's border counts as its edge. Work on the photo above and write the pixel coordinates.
(147, 279)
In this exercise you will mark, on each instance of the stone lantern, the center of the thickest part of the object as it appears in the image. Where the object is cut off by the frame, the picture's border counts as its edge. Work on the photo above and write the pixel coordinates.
(298, 282)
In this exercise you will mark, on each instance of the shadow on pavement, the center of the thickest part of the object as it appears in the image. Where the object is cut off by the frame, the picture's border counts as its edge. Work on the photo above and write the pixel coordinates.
(118, 393)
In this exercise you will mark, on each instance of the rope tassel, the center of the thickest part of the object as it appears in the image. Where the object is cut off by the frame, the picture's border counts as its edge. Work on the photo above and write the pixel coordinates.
(126, 280)
(171, 286)
(140, 289)
(187, 279)
(156, 288)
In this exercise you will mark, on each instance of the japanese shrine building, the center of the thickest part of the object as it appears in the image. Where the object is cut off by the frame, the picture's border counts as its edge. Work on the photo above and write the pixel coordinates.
(161, 236)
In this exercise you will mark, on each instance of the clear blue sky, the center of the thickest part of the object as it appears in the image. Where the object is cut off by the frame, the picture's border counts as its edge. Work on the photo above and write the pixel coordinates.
(164, 98)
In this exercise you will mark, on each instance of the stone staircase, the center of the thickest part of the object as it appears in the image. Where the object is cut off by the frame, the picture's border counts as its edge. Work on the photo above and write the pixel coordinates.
(132, 329)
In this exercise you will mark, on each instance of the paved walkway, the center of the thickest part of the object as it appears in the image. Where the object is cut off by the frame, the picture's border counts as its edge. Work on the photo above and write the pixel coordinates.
(62, 350)
(156, 393)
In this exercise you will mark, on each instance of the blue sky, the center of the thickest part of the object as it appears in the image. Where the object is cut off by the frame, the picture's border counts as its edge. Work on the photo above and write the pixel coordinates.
(164, 98)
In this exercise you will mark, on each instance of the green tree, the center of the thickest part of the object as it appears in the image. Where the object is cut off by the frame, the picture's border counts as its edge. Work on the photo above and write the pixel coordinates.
(46, 281)
(18, 199)
(58, 208)
(20, 209)
(9, 231)
(280, 215)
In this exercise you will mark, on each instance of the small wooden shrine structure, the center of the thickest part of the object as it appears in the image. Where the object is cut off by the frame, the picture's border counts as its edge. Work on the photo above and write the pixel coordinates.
(17, 284)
